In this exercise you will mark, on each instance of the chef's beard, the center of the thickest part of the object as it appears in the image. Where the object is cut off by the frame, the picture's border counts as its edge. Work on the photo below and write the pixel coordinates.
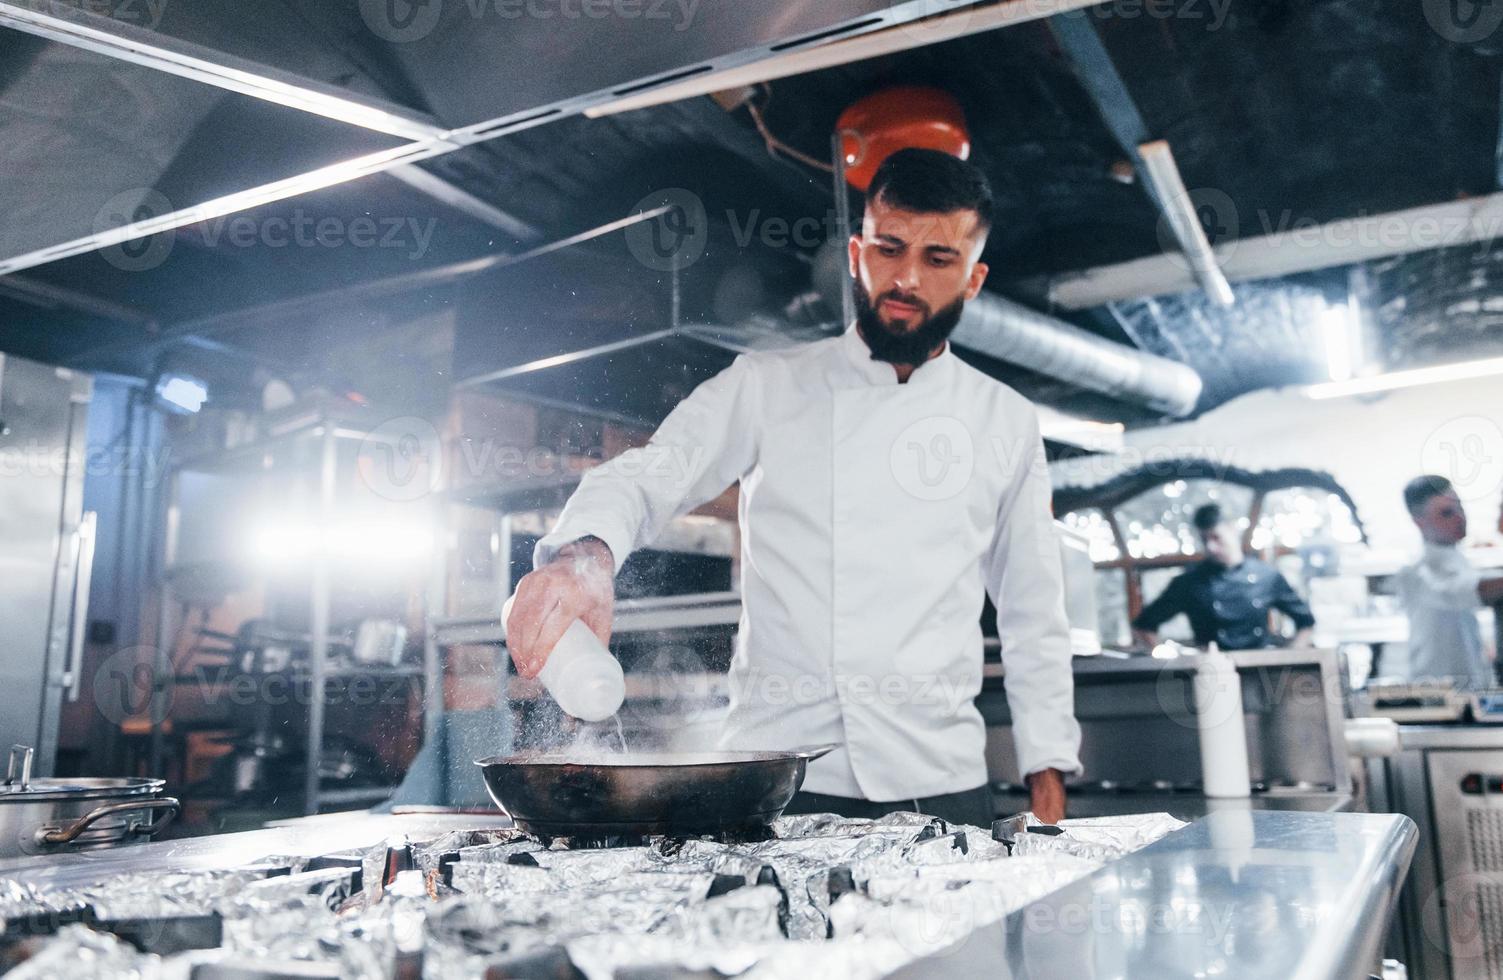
(904, 345)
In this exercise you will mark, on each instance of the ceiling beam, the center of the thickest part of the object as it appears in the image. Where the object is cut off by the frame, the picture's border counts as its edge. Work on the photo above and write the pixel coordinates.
(456, 197)
(113, 38)
(48, 296)
(305, 304)
(930, 30)
(1299, 249)
(1152, 159)
(65, 24)
(895, 23)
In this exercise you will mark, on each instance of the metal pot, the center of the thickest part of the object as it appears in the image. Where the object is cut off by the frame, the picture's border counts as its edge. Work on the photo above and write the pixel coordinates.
(47, 816)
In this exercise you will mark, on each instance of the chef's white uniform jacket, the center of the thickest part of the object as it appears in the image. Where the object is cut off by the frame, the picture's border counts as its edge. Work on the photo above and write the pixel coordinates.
(1439, 592)
(873, 514)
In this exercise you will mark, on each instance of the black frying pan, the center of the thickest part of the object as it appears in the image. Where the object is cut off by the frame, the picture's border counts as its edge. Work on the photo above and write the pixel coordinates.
(678, 794)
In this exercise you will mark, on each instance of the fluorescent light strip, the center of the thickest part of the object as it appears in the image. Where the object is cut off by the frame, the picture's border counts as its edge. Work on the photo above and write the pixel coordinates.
(329, 176)
(128, 43)
(909, 35)
(1336, 327)
(1463, 371)
(913, 34)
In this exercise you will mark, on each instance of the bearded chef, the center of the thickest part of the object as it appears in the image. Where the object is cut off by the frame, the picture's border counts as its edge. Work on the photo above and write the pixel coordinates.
(884, 483)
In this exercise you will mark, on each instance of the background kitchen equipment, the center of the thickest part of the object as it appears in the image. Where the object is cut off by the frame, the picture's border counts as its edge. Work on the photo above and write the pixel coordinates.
(678, 794)
(48, 548)
(46, 816)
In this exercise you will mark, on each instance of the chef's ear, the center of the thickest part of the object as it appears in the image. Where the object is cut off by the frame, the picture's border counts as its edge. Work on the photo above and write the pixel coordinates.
(978, 277)
(853, 251)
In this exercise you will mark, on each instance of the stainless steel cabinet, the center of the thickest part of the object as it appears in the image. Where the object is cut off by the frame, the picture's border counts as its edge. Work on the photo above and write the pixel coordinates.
(46, 549)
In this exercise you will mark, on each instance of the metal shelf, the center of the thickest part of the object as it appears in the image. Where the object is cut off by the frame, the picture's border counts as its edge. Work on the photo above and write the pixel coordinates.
(306, 436)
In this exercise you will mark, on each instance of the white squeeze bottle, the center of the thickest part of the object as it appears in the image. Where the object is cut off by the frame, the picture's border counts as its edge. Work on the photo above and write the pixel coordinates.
(1223, 733)
(580, 673)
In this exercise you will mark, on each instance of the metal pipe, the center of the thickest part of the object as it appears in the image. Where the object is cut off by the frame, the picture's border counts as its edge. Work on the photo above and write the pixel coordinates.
(1179, 211)
(556, 360)
(292, 306)
(320, 596)
(1011, 332)
(433, 607)
(843, 229)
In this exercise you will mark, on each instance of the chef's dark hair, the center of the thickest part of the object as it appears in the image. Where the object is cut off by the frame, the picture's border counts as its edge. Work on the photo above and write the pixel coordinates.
(1419, 491)
(1207, 516)
(931, 181)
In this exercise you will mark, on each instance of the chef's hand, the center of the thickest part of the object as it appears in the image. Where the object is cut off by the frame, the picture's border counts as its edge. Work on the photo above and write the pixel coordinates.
(1303, 638)
(1046, 791)
(579, 583)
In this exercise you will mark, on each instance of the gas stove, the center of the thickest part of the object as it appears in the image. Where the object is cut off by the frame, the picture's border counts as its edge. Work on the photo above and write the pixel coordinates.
(821, 894)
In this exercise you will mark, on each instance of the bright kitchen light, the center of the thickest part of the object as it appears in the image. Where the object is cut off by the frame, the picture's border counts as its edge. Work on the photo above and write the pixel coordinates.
(1086, 433)
(181, 393)
(374, 542)
(1463, 371)
(1338, 329)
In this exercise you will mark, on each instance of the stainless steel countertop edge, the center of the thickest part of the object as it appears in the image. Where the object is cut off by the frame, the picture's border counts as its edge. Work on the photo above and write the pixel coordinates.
(1244, 894)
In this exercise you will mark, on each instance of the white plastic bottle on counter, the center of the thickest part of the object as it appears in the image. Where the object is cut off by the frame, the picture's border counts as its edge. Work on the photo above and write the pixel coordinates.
(1223, 734)
(580, 673)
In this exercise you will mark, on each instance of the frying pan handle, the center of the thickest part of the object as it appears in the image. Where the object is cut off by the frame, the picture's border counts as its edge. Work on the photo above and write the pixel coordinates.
(815, 751)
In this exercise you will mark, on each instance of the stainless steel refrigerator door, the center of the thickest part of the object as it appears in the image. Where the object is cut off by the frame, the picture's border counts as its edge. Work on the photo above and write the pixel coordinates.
(42, 447)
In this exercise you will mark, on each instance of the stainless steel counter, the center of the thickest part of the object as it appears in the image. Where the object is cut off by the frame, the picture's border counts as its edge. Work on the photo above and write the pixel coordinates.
(1242, 895)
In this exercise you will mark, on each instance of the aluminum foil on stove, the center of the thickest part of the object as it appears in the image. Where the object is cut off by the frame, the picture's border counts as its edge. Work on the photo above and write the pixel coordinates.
(807, 825)
(1029, 844)
(157, 896)
(378, 862)
(295, 919)
(809, 869)
(1100, 838)
(426, 855)
(743, 915)
(296, 925)
(80, 953)
(580, 868)
(499, 852)
(499, 879)
(1130, 832)
(25, 910)
(605, 957)
(464, 936)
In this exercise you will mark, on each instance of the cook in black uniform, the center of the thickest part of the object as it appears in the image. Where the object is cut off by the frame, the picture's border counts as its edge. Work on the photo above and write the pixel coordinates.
(1227, 596)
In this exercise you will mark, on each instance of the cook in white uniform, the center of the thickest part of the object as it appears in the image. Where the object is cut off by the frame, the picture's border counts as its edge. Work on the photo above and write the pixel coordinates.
(1443, 591)
(885, 484)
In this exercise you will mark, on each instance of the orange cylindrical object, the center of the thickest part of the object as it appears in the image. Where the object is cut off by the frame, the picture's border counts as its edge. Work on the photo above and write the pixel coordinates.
(895, 119)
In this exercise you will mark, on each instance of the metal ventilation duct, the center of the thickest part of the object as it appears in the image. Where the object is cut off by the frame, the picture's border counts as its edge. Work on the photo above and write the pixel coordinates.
(1011, 332)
